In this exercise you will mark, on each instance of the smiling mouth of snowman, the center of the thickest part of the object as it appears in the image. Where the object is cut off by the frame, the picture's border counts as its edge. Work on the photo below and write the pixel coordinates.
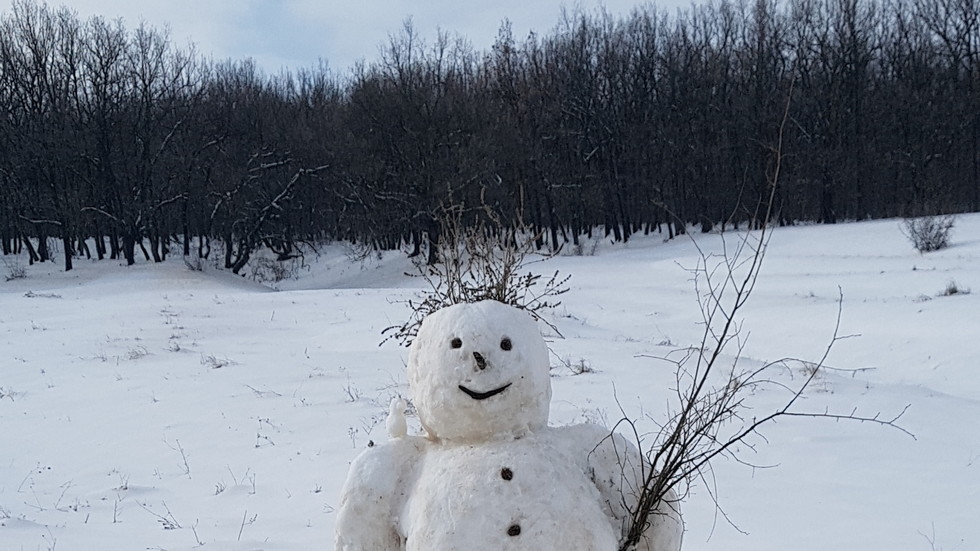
(483, 395)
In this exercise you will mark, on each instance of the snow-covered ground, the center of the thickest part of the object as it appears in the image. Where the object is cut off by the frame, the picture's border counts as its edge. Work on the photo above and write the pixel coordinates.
(155, 407)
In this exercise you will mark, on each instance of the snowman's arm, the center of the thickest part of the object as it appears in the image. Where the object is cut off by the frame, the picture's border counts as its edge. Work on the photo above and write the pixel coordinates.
(618, 469)
(366, 515)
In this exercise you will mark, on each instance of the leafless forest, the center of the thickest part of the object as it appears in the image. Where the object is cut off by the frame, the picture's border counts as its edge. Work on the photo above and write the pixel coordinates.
(117, 142)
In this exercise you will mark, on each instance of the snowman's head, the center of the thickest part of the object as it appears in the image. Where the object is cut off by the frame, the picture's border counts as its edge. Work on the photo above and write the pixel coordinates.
(480, 371)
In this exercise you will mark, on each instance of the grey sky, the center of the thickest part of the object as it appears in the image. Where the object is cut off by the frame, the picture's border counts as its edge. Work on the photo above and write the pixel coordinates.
(295, 33)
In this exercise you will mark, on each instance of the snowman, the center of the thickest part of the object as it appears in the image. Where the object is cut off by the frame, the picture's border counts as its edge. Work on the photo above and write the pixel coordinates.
(490, 474)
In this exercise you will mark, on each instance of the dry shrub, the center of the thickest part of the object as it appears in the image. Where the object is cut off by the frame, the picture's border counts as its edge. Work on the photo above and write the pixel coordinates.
(929, 233)
(485, 260)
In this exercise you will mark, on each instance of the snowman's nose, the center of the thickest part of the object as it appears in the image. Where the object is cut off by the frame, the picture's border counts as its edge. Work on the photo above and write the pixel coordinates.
(481, 362)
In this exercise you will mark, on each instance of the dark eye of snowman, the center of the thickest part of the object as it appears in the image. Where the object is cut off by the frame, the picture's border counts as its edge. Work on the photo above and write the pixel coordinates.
(456, 343)
(505, 344)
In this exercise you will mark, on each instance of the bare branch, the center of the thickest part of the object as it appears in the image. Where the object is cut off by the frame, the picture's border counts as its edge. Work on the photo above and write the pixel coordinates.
(691, 438)
(40, 221)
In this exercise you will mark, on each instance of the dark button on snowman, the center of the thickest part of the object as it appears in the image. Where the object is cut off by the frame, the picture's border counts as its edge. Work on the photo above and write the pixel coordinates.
(480, 378)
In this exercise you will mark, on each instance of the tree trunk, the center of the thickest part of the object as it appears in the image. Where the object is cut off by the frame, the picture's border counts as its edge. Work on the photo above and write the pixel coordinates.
(99, 245)
(433, 237)
(416, 244)
(31, 253)
(203, 246)
(229, 246)
(244, 254)
(43, 254)
(154, 248)
(83, 248)
(69, 253)
(186, 229)
(129, 249)
(114, 248)
(433, 256)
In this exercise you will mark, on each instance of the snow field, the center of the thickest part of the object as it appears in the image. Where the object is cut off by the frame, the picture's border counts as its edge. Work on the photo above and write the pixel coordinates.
(154, 407)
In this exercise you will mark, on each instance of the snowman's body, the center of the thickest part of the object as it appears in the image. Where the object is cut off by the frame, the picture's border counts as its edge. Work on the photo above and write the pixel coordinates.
(503, 494)
(490, 474)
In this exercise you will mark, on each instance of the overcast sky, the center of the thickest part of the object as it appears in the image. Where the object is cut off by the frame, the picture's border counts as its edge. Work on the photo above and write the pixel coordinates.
(296, 33)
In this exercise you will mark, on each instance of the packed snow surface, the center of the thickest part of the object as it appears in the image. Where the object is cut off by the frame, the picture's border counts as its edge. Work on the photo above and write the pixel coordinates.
(155, 407)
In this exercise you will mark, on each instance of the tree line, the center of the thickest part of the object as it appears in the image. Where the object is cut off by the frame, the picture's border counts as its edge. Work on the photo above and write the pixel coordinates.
(117, 142)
